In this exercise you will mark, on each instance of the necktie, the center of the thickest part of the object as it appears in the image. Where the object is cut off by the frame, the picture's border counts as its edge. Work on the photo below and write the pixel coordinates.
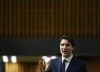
(63, 65)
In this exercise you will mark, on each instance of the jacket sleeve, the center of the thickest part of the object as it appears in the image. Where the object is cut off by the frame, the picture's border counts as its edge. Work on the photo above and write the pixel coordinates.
(83, 68)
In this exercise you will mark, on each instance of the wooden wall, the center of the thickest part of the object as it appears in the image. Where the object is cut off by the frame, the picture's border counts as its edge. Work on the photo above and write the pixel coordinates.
(49, 18)
(22, 67)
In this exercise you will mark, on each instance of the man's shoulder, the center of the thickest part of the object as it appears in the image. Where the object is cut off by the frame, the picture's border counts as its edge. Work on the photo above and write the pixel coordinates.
(56, 59)
(77, 60)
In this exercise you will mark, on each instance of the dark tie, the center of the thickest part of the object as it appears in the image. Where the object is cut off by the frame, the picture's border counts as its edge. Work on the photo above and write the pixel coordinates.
(63, 65)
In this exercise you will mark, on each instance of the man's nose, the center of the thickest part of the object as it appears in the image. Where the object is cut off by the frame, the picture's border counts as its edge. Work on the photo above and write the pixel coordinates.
(65, 46)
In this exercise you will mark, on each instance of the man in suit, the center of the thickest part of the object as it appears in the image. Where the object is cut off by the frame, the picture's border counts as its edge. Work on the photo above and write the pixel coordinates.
(67, 62)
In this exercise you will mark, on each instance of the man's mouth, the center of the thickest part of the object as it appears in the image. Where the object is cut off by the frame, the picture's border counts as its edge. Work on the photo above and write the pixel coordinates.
(64, 51)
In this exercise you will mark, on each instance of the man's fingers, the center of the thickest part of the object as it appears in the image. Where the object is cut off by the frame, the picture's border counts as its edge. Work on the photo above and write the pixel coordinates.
(42, 62)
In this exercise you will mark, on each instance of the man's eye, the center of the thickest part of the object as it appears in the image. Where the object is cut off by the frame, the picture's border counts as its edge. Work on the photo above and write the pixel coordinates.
(67, 44)
(62, 44)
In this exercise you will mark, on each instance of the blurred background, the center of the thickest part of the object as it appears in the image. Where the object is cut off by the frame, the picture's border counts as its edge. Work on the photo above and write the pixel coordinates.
(30, 30)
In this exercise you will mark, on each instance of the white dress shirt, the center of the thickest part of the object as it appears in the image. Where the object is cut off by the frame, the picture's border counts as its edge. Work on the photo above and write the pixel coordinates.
(68, 61)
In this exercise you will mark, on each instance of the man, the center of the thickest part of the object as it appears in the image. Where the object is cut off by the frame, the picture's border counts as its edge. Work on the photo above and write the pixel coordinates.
(68, 62)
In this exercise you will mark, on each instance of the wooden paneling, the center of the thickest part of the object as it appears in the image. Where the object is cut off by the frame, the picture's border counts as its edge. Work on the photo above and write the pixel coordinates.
(49, 18)
(22, 67)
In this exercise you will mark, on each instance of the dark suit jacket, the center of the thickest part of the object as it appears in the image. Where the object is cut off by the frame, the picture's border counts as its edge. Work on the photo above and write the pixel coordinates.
(74, 66)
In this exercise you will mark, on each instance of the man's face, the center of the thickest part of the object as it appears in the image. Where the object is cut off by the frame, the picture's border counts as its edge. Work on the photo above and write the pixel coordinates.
(66, 48)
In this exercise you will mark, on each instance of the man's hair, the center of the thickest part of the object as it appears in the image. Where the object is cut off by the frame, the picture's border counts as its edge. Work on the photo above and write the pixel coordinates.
(70, 39)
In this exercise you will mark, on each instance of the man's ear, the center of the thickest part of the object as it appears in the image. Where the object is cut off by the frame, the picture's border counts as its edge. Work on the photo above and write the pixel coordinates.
(73, 48)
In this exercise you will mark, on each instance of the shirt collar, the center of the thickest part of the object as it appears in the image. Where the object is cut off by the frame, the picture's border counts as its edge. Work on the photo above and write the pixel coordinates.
(68, 59)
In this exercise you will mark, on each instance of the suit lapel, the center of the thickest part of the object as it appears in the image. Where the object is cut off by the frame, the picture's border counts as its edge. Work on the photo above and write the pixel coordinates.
(59, 64)
(72, 63)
